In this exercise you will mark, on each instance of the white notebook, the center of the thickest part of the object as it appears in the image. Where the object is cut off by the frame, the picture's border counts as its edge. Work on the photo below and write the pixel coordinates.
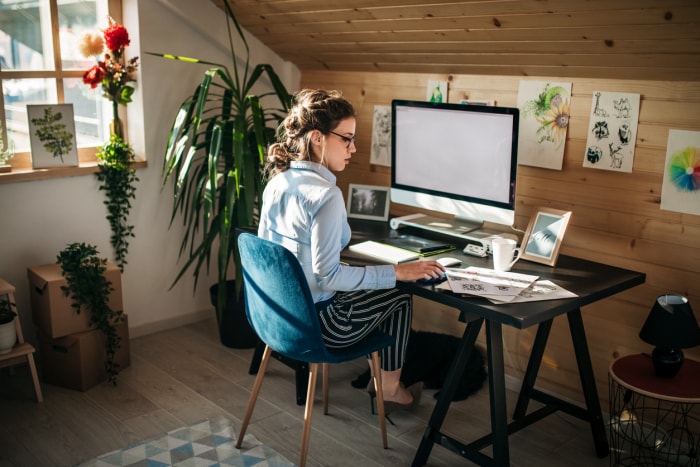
(383, 252)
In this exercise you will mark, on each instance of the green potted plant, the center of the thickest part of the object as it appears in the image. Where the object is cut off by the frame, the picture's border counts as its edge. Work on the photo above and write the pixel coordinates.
(8, 333)
(89, 290)
(215, 154)
(7, 151)
(117, 180)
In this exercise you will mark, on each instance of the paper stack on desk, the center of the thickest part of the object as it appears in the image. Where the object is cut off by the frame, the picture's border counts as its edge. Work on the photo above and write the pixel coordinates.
(503, 287)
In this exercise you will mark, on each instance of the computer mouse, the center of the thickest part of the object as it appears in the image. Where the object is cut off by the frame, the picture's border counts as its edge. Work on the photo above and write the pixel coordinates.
(448, 261)
(434, 280)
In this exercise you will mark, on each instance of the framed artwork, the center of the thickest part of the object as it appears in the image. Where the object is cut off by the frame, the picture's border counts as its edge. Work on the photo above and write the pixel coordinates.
(368, 202)
(544, 235)
(52, 135)
(436, 91)
(381, 136)
(612, 131)
(680, 190)
(544, 123)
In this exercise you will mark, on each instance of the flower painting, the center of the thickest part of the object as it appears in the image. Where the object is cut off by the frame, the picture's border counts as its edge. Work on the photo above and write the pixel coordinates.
(544, 121)
(680, 190)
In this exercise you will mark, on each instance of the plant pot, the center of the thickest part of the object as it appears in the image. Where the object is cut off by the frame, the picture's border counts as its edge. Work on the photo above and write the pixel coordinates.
(234, 329)
(8, 337)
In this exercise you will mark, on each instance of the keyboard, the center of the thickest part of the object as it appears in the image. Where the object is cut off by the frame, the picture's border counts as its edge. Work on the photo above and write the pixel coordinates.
(383, 252)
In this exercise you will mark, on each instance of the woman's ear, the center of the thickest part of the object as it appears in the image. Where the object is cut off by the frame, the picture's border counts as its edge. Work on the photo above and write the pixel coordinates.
(316, 137)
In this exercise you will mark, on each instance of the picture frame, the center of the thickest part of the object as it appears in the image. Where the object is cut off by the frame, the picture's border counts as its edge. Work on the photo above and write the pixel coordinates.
(544, 235)
(52, 135)
(368, 202)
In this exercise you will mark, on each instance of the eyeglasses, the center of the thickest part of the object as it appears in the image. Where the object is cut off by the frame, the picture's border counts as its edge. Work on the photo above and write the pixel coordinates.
(349, 141)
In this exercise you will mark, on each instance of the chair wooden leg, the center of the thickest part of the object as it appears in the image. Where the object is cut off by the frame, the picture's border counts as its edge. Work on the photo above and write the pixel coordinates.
(377, 372)
(326, 371)
(313, 372)
(254, 394)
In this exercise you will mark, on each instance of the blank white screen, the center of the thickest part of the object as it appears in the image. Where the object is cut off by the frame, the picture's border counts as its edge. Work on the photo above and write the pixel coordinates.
(455, 152)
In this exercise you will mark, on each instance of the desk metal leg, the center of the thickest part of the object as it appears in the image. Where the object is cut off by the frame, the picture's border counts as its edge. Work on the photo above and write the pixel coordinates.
(432, 431)
(590, 392)
(533, 367)
(497, 390)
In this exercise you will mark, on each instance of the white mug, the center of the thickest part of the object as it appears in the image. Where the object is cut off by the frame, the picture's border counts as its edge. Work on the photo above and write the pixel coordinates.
(505, 253)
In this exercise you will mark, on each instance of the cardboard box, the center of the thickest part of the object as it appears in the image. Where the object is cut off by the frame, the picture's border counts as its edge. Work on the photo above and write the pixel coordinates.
(52, 310)
(77, 361)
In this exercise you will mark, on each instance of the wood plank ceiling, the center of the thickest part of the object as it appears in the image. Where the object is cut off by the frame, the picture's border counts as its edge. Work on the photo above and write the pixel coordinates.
(620, 39)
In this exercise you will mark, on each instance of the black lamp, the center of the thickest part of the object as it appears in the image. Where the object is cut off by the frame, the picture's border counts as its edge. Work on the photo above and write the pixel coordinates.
(670, 326)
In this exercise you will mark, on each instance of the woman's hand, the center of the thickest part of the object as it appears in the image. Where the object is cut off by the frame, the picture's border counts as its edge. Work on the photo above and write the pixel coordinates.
(419, 270)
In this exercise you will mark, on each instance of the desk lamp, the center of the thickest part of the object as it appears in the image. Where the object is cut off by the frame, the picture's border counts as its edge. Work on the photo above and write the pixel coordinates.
(670, 326)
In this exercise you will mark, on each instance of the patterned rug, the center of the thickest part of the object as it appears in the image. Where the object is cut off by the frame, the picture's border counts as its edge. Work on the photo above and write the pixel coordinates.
(205, 443)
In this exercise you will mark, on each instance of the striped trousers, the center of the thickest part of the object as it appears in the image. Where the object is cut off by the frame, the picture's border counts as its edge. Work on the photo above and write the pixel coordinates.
(349, 316)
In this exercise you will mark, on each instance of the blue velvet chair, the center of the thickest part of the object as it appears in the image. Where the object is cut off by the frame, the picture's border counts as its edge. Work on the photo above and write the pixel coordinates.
(281, 311)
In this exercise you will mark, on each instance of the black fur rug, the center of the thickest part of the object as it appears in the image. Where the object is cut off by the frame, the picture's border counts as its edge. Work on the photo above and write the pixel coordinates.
(428, 359)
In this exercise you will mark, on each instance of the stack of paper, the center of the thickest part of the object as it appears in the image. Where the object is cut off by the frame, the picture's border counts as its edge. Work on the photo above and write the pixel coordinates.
(503, 287)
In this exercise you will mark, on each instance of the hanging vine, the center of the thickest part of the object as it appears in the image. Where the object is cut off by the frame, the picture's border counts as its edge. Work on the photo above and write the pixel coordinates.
(117, 180)
(89, 290)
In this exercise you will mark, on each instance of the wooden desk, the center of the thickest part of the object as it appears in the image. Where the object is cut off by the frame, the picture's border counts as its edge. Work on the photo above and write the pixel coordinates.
(591, 281)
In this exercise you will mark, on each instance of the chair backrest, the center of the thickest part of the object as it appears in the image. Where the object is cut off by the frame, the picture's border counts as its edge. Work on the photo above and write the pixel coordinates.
(278, 301)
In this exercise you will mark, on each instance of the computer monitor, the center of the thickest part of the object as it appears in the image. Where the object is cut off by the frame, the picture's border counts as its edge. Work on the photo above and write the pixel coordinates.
(459, 159)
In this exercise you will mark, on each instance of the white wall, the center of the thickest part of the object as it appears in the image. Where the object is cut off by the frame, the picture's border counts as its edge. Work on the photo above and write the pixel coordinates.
(39, 218)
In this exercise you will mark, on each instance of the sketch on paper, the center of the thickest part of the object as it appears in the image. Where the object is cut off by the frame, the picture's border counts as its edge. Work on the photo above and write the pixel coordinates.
(381, 136)
(436, 91)
(680, 190)
(52, 135)
(544, 120)
(611, 131)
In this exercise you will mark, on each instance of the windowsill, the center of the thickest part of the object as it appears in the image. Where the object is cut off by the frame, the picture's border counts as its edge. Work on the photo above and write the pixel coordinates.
(85, 168)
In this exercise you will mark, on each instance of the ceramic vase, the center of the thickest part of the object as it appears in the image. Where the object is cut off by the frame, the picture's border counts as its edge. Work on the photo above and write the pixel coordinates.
(8, 337)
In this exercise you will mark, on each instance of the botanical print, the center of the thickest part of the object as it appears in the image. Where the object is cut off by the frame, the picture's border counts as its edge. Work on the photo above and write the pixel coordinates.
(544, 120)
(436, 91)
(680, 190)
(381, 136)
(52, 135)
(612, 131)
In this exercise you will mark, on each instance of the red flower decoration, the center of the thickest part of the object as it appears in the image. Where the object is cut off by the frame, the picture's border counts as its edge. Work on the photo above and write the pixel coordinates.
(116, 37)
(93, 76)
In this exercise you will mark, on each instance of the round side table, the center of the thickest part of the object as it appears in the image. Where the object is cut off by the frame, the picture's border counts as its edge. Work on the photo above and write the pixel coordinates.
(651, 418)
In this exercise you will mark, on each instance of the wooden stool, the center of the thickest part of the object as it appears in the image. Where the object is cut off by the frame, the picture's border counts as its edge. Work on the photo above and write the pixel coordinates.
(22, 351)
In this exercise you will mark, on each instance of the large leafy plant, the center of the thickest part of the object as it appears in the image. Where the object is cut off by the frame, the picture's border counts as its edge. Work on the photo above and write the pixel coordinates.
(215, 157)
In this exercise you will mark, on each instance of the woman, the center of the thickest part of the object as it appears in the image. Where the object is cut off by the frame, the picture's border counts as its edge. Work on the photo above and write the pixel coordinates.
(304, 211)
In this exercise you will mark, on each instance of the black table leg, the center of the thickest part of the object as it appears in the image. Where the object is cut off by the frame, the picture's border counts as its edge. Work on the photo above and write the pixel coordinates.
(257, 357)
(590, 392)
(432, 431)
(497, 393)
(533, 367)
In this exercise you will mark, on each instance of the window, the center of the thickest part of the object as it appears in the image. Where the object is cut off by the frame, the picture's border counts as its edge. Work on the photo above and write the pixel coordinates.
(40, 64)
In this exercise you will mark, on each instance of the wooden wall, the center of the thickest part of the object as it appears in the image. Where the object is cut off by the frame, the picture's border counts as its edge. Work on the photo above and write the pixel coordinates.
(616, 217)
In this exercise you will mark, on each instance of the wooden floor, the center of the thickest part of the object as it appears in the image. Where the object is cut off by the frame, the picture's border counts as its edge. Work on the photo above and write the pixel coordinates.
(184, 375)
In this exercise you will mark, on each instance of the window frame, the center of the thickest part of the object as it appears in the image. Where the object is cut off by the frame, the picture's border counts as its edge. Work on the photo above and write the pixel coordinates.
(21, 165)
